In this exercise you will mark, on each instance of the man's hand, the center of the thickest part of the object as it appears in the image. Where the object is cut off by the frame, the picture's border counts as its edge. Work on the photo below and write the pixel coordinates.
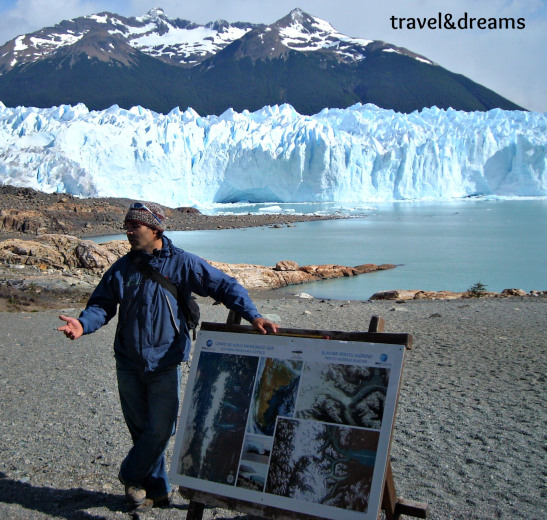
(73, 328)
(262, 324)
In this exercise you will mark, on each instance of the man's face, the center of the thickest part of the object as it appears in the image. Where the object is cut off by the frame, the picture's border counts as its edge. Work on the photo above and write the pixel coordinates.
(141, 238)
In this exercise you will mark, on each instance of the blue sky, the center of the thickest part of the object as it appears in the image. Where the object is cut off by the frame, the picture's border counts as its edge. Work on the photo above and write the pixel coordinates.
(510, 62)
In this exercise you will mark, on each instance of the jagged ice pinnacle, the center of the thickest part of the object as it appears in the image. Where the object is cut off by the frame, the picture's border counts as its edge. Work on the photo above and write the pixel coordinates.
(362, 153)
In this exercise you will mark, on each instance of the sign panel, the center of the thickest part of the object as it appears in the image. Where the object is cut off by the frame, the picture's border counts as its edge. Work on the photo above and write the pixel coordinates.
(300, 424)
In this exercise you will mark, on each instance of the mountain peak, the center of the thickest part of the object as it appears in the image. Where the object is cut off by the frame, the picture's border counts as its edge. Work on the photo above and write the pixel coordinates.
(155, 15)
(156, 12)
(174, 41)
(302, 20)
(299, 31)
(297, 14)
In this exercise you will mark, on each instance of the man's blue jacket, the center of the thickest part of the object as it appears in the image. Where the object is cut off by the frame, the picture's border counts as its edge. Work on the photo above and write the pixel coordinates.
(152, 333)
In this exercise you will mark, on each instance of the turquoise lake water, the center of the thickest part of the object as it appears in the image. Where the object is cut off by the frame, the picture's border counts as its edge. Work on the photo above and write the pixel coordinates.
(435, 245)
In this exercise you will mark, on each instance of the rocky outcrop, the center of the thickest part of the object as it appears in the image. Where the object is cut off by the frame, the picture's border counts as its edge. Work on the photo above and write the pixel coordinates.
(17, 221)
(62, 252)
(188, 210)
(402, 295)
(369, 268)
(513, 292)
(288, 272)
(286, 265)
(399, 295)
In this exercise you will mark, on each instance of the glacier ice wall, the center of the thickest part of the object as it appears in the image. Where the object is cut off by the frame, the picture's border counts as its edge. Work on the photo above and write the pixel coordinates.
(362, 153)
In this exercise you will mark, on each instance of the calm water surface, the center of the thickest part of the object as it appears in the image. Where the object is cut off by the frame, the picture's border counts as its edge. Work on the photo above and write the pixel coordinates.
(436, 246)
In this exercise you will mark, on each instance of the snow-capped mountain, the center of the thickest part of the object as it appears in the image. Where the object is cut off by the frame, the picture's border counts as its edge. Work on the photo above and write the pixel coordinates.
(358, 154)
(301, 32)
(177, 42)
(183, 43)
(161, 63)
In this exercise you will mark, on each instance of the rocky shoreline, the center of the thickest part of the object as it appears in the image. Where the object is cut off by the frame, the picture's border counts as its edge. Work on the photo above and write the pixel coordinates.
(58, 266)
(48, 261)
(57, 269)
(53, 270)
(26, 213)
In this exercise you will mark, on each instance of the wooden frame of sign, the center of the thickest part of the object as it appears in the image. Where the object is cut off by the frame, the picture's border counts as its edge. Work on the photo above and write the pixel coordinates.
(392, 505)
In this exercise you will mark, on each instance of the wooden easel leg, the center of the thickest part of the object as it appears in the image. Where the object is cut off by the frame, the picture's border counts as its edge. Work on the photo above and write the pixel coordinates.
(377, 324)
(389, 499)
(233, 318)
(195, 511)
(395, 507)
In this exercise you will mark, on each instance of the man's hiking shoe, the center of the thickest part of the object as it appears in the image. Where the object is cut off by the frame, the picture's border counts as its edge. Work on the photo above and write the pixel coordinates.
(135, 496)
(149, 503)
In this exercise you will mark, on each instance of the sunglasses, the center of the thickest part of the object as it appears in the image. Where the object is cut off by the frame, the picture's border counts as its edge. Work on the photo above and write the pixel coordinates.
(140, 205)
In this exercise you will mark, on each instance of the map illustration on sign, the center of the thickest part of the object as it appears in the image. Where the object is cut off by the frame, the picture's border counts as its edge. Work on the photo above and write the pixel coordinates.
(295, 423)
(275, 394)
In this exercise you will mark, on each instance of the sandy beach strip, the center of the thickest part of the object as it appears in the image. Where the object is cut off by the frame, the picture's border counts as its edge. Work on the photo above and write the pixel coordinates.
(470, 430)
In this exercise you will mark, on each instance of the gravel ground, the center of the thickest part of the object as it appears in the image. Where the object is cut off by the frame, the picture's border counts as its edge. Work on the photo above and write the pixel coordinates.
(470, 431)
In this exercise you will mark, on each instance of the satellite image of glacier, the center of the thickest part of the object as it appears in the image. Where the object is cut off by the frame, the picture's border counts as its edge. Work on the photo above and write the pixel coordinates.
(321, 463)
(343, 394)
(221, 398)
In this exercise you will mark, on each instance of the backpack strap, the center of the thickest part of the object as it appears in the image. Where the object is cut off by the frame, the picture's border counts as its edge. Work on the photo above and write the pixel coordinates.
(153, 274)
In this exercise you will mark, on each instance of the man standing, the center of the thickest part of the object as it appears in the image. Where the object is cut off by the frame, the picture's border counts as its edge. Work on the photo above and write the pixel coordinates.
(152, 339)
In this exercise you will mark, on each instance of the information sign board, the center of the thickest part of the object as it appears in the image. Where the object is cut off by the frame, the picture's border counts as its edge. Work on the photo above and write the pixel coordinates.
(297, 423)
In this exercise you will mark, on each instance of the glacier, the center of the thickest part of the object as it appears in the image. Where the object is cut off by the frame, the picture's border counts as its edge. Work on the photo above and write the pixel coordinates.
(275, 155)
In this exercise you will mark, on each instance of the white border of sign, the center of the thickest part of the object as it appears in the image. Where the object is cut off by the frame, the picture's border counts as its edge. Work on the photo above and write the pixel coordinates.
(294, 351)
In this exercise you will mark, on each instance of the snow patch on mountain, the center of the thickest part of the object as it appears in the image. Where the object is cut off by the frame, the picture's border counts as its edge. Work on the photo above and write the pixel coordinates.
(182, 44)
(308, 33)
(359, 154)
